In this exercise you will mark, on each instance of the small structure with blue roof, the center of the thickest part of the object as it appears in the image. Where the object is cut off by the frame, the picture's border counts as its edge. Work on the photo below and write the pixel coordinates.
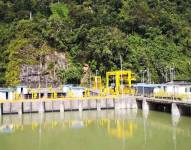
(146, 89)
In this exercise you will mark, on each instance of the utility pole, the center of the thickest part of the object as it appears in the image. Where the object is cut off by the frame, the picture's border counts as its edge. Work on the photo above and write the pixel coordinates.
(96, 79)
(143, 76)
(30, 15)
(148, 76)
(172, 77)
(172, 73)
(27, 76)
(121, 64)
(90, 80)
(166, 75)
(144, 71)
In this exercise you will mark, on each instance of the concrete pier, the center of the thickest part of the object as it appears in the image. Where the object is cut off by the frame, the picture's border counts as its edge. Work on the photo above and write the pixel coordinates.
(95, 103)
(41, 107)
(145, 106)
(80, 106)
(61, 107)
(0, 109)
(176, 108)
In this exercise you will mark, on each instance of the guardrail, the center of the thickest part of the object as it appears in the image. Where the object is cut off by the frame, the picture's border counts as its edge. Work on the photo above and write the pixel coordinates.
(61, 98)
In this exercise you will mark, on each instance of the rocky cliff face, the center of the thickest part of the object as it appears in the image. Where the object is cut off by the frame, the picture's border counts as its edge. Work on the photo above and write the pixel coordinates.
(86, 75)
(44, 73)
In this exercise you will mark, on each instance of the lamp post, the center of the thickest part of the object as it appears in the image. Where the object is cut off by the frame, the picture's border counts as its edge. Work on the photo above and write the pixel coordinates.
(172, 76)
(90, 80)
(96, 79)
(143, 80)
(121, 64)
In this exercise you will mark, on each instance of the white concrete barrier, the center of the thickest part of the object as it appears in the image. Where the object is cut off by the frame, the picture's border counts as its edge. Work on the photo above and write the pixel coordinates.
(41, 107)
(117, 103)
(20, 112)
(80, 106)
(174, 110)
(48, 105)
(145, 106)
(61, 107)
(98, 105)
(27, 107)
(0, 109)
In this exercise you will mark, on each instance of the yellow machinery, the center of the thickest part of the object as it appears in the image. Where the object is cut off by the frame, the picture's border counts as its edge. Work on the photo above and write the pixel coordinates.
(119, 82)
(97, 83)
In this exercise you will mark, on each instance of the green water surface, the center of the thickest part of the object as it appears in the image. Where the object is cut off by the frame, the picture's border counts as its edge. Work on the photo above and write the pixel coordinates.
(93, 130)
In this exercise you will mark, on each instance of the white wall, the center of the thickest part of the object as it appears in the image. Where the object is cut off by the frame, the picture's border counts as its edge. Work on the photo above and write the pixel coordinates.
(173, 89)
(11, 95)
(78, 92)
(65, 89)
(2, 96)
(177, 89)
(25, 90)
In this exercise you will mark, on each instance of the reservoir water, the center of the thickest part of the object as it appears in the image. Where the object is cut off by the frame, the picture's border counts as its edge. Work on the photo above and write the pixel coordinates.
(95, 130)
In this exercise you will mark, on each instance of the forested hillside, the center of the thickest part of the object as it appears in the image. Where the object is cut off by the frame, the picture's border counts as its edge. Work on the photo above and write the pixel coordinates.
(154, 34)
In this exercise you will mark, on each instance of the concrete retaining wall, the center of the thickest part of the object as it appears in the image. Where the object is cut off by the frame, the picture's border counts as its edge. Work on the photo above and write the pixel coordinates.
(64, 105)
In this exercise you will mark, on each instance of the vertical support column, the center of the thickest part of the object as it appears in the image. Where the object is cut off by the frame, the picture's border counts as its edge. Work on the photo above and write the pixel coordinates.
(145, 106)
(80, 105)
(123, 103)
(41, 107)
(107, 83)
(117, 103)
(117, 83)
(134, 103)
(145, 109)
(174, 110)
(98, 105)
(61, 107)
(1, 109)
(131, 102)
(20, 112)
(128, 103)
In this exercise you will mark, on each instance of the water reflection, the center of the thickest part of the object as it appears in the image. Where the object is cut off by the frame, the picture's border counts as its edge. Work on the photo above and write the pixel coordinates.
(6, 128)
(128, 127)
(118, 128)
(175, 120)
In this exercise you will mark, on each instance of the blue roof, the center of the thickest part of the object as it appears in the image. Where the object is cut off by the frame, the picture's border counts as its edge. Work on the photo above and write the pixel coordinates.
(7, 89)
(147, 85)
(21, 86)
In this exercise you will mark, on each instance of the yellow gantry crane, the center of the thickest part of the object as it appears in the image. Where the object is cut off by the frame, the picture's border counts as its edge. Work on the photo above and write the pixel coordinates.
(120, 82)
(117, 82)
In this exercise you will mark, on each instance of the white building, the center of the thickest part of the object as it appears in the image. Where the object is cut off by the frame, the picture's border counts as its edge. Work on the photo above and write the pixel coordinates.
(21, 90)
(177, 88)
(7, 93)
(73, 91)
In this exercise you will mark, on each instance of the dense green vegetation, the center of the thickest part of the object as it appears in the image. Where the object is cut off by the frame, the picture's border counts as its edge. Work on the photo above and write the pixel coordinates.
(145, 33)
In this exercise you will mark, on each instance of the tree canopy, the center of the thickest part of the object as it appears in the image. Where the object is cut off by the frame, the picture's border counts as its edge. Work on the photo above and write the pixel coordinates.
(145, 33)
